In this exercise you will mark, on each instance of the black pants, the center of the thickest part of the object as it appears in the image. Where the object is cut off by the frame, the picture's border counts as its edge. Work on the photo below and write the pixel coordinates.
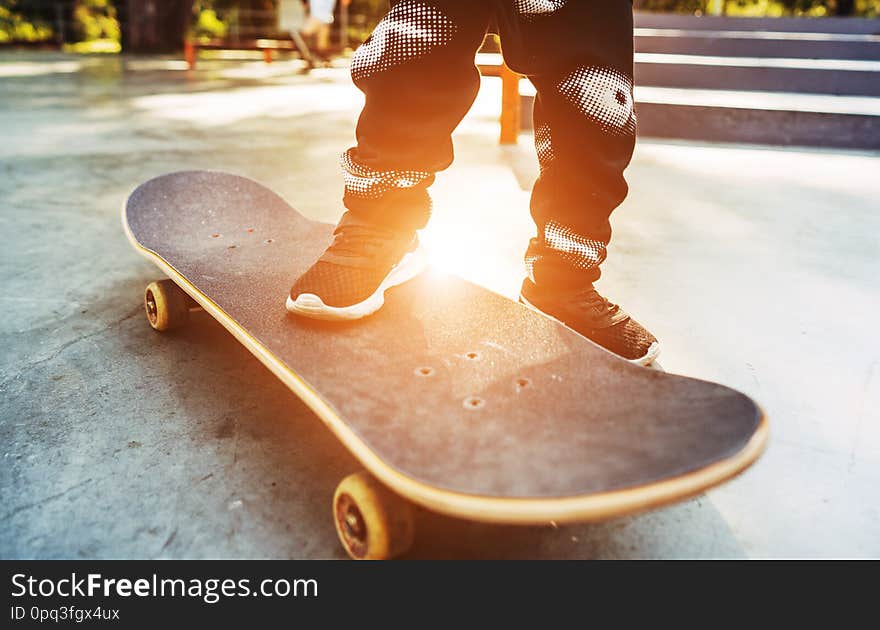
(418, 74)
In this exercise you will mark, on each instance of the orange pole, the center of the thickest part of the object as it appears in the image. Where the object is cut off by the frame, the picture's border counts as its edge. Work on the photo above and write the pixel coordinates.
(189, 53)
(511, 107)
(267, 55)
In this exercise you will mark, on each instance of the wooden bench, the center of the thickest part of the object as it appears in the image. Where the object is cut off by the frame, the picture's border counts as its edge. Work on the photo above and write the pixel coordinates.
(266, 46)
(490, 65)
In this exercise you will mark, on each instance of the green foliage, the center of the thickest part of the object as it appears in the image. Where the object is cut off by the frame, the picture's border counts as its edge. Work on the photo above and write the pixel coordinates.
(208, 25)
(364, 15)
(94, 20)
(15, 28)
(369, 7)
(673, 6)
(36, 21)
(94, 46)
(769, 8)
(219, 18)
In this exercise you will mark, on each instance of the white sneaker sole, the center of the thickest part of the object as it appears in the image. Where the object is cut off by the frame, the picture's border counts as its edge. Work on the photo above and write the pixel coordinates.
(646, 360)
(310, 305)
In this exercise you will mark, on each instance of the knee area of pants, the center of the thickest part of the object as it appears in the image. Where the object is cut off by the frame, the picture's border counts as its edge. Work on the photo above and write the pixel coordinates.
(411, 30)
(601, 94)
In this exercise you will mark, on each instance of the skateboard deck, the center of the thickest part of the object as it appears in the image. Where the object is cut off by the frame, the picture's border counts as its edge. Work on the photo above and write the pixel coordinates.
(453, 397)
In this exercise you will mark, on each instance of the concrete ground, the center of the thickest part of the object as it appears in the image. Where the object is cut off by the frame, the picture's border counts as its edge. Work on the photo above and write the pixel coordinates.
(757, 267)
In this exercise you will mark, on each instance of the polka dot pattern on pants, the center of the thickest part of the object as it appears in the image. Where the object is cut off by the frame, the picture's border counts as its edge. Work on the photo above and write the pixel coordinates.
(532, 8)
(544, 145)
(366, 183)
(585, 253)
(603, 95)
(578, 251)
(410, 30)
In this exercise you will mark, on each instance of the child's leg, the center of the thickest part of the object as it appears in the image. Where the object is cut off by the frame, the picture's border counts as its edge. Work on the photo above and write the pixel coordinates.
(321, 12)
(322, 38)
(579, 55)
(418, 75)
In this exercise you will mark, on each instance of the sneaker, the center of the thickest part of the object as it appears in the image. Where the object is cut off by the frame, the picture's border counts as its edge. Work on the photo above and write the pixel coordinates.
(350, 279)
(591, 315)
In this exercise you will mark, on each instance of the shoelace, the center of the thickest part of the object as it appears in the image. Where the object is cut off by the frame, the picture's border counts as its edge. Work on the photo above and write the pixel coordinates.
(591, 298)
(360, 241)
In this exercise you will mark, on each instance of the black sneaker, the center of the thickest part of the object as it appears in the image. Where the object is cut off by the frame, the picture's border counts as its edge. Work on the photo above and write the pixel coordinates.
(588, 313)
(350, 279)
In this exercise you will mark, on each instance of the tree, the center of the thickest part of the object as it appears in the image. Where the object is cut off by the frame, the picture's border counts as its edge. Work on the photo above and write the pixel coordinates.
(155, 26)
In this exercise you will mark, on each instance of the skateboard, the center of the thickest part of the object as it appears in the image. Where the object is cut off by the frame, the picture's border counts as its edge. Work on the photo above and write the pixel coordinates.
(453, 398)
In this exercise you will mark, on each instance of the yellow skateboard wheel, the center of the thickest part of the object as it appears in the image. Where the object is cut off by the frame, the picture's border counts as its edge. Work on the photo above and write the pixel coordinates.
(166, 304)
(373, 523)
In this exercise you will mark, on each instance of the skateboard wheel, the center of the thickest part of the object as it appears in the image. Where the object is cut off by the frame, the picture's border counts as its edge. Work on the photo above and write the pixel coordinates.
(373, 523)
(166, 304)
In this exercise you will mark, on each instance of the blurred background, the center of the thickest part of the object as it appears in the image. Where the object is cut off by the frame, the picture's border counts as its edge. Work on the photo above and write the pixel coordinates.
(161, 25)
